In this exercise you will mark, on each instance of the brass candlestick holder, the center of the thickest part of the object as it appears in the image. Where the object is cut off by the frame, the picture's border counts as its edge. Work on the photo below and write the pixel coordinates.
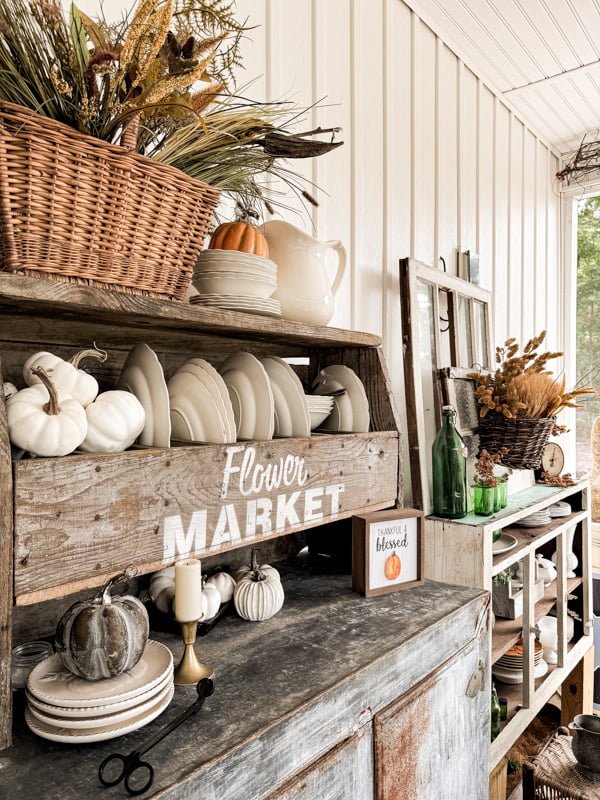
(190, 670)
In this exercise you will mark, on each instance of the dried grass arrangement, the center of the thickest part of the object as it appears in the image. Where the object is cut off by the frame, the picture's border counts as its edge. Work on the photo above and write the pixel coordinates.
(521, 386)
(166, 73)
(519, 403)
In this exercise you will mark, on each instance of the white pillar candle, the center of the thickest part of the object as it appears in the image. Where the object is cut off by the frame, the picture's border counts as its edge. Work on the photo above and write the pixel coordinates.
(188, 590)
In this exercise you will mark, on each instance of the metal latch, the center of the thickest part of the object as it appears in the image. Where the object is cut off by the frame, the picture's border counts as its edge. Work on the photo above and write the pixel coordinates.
(476, 680)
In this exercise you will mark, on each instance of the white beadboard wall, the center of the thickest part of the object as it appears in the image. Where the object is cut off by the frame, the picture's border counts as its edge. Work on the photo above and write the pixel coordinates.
(433, 163)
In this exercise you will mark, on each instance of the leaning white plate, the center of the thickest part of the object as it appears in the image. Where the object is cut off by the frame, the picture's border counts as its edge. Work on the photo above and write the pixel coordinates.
(208, 375)
(291, 408)
(51, 682)
(504, 543)
(355, 391)
(91, 712)
(341, 418)
(189, 396)
(97, 733)
(82, 723)
(143, 375)
(251, 396)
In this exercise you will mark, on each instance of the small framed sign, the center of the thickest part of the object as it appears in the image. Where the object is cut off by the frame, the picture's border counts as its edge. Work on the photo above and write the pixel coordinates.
(387, 551)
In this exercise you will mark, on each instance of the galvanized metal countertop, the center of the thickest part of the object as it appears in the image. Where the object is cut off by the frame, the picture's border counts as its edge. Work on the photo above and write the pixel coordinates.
(287, 691)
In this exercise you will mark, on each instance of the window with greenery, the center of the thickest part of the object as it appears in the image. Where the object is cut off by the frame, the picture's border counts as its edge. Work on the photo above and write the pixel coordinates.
(588, 324)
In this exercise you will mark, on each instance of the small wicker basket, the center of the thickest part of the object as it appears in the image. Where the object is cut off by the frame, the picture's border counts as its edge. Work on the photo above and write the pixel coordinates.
(525, 438)
(75, 208)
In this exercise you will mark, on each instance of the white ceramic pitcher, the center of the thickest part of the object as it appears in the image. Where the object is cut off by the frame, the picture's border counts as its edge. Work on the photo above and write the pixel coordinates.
(303, 286)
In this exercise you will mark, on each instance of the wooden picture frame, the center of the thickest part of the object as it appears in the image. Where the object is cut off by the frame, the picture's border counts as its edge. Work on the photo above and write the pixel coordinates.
(377, 566)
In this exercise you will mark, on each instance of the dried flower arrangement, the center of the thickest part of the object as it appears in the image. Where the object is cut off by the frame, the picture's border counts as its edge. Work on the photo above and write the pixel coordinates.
(168, 73)
(521, 386)
(484, 474)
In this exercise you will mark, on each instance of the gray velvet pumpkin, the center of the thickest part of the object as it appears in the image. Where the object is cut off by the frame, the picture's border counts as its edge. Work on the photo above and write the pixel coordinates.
(103, 637)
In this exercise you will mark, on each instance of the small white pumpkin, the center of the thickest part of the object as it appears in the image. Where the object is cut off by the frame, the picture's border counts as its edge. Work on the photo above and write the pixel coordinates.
(9, 389)
(66, 375)
(224, 582)
(39, 424)
(211, 600)
(162, 589)
(258, 593)
(115, 420)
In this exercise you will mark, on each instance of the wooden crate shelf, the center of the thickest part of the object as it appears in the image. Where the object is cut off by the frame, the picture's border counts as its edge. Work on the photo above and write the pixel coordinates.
(68, 523)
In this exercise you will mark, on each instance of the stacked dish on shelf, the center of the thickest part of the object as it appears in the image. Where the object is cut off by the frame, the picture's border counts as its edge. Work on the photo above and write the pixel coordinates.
(62, 707)
(236, 281)
(509, 667)
(245, 399)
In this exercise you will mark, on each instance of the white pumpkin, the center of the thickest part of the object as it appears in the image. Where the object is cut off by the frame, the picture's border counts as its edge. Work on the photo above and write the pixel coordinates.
(162, 589)
(66, 375)
(39, 424)
(258, 593)
(115, 420)
(211, 600)
(224, 582)
(8, 389)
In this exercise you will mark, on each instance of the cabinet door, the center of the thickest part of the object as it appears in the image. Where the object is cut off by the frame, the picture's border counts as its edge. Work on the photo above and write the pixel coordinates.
(345, 772)
(433, 743)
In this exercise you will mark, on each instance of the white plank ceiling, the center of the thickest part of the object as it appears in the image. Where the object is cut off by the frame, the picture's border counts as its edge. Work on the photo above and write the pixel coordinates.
(542, 56)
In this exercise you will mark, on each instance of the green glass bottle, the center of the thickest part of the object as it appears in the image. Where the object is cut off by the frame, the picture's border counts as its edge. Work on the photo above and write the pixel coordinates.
(449, 468)
(495, 713)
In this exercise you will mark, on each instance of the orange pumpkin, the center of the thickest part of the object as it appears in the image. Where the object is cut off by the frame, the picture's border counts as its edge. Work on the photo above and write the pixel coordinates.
(393, 566)
(239, 236)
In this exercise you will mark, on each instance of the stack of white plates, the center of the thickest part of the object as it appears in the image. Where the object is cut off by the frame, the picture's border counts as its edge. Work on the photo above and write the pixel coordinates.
(535, 520)
(266, 307)
(236, 281)
(350, 411)
(200, 406)
(509, 667)
(65, 708)
(319, 408)
(560, 509)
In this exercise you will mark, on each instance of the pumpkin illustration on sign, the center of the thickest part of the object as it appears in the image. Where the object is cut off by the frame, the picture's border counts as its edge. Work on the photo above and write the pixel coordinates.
(393, 567)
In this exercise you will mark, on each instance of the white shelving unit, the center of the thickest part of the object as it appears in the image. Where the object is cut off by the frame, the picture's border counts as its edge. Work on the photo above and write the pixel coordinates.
(461, 552)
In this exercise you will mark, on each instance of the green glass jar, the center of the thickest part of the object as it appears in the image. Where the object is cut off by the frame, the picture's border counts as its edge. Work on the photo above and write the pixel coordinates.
(502, 492)
(483, 500)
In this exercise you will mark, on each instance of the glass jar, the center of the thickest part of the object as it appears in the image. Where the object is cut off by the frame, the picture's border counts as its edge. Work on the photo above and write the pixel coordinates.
(24, 659)
(483, 500)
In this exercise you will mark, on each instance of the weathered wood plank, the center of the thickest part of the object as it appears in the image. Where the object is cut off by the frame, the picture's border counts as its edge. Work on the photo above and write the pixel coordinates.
(6, 576)
(20, 294)
(81, 518)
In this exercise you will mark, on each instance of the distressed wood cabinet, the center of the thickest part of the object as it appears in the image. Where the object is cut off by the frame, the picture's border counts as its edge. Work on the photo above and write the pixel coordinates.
(461, 551)
(337, 697)
(67, 524)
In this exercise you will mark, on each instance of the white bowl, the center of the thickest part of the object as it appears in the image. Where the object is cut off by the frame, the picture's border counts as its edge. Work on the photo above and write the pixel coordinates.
(236, 285)
(319, 402)
(318, 417)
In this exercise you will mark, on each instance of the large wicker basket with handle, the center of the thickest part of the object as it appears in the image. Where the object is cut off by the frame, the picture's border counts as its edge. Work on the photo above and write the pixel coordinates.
(525, 438)
(75, 208)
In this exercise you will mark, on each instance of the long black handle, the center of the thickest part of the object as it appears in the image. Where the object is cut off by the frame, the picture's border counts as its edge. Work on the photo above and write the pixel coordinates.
(205, 688)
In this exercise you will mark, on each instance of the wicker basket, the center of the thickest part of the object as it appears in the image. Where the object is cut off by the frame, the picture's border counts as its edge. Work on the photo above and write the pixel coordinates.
(524, 437)
(75, 208)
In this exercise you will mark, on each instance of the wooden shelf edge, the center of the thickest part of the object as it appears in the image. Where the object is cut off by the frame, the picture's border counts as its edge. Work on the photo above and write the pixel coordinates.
(22, 294)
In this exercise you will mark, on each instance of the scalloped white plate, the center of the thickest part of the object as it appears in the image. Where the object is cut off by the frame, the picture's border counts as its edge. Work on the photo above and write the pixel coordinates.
(51, 682)
(291, 409)
(143, 375)
(251, 396)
